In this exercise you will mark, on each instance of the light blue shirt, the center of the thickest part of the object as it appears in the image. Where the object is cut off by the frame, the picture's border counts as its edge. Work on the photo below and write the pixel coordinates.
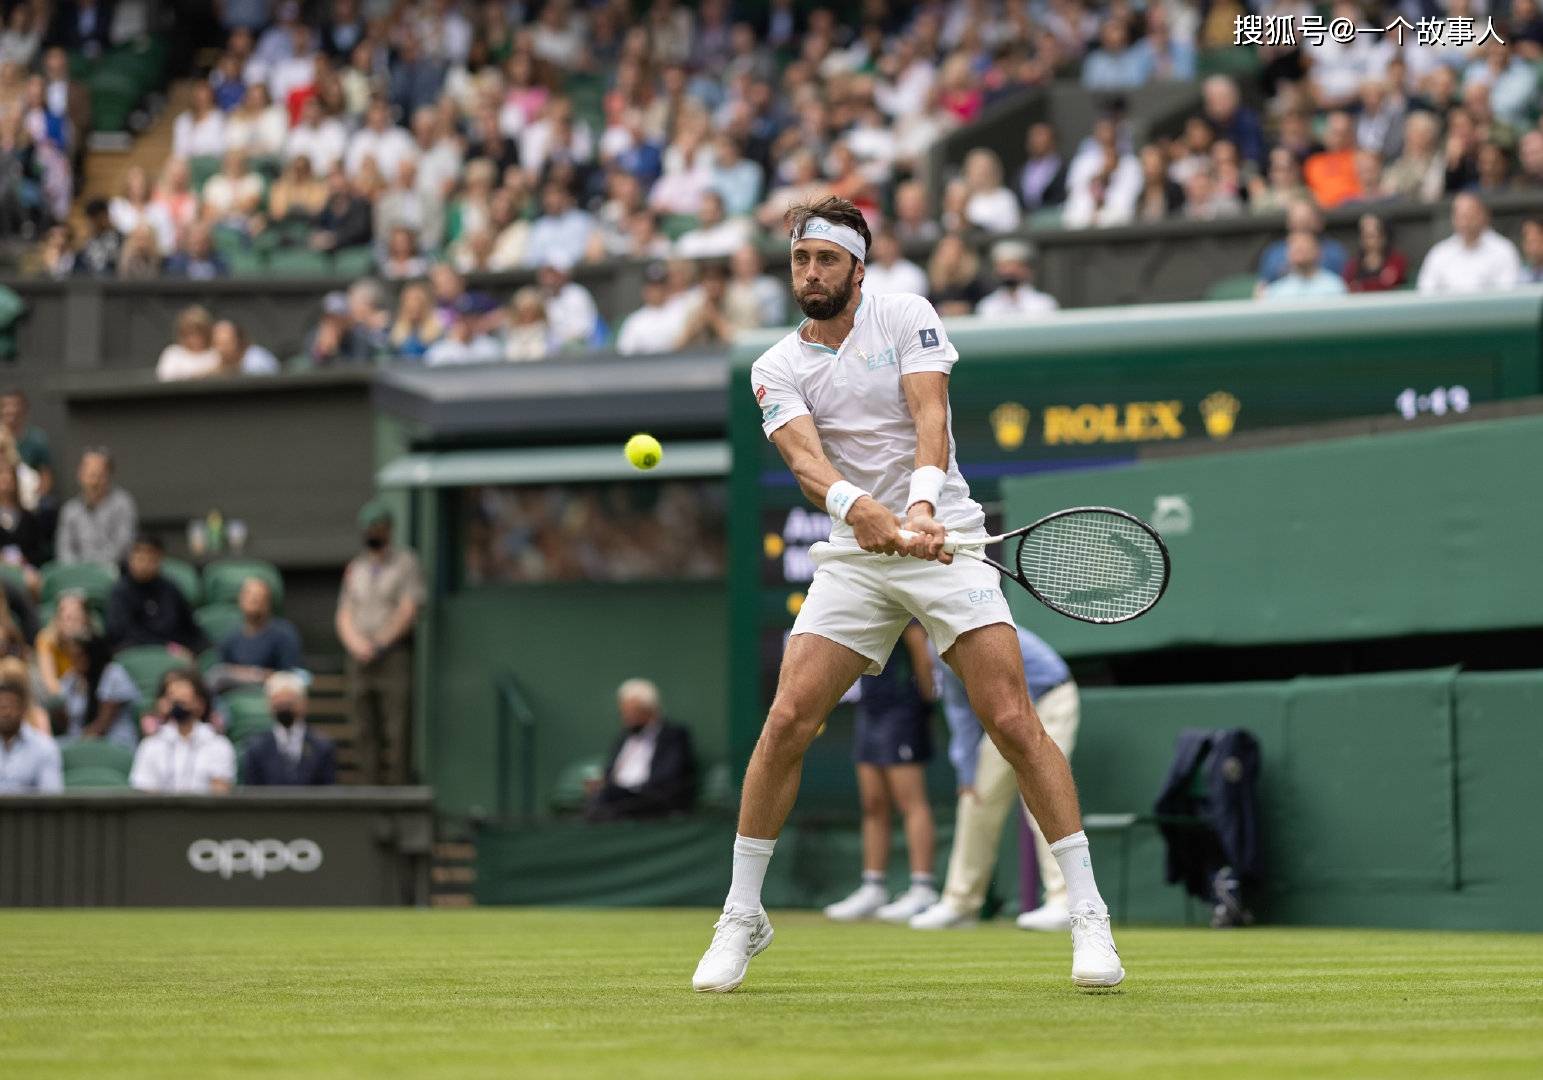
(564, 237)
(1042, 667)
(1115, 71)
(1292, 286)
(30, 765)
(740, 186)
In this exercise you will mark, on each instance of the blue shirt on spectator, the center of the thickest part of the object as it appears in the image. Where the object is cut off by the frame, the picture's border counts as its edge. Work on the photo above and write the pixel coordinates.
(1178, 57)
(30, 765)
(563, 237)
(1273, 267)
(115, 687)
(740, 186)
(1042, 667)
(1104, 70)
(643, 160)
(276, 647)
(1321, 283)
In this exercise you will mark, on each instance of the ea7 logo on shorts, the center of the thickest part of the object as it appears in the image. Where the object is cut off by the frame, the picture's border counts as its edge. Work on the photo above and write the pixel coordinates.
(983, 596)
(760, 394)
(929, 338)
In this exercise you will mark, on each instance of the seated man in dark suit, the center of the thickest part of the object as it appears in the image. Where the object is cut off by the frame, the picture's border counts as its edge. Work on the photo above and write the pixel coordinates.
(652, 770)
(146, 608)
(291, 755)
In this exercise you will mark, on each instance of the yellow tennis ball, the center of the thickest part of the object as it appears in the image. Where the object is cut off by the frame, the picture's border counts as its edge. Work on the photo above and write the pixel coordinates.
(644, 451)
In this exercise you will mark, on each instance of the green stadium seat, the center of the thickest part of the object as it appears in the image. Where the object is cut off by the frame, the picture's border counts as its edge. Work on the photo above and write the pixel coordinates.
(13, 574)
(229, 242)
(247, 264)
(1047, 217)
(207, 659)
(97, 754)
(353, 262)
(201, 168)
(247, 715)
(146, 664)
(185, 576)
(218, 621)
(223, 578)
(94, 579)
(568, 794)
(94, 778)
(677, 225)
(1232, 287)
(298, 262)
(1228, 60)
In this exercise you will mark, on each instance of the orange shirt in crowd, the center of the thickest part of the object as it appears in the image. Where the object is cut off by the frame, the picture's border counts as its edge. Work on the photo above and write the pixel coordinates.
(1332, 177)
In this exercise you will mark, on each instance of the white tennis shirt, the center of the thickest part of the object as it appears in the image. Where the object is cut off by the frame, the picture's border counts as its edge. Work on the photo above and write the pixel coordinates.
(858, 406)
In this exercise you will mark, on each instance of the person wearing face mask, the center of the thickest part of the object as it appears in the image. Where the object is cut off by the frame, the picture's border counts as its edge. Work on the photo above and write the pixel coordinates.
(291, 755)
(1015, 293)
(378, 607)
(185, 755)
(652, 769)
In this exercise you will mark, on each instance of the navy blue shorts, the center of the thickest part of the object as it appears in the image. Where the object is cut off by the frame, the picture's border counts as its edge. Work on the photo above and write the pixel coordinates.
(893, 736)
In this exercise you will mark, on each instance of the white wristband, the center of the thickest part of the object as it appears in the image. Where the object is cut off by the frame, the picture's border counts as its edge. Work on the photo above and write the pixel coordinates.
(926, 486)
(840, 499)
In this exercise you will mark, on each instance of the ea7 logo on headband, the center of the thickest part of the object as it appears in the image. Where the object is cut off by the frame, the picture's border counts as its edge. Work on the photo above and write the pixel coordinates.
(816, 227)
(929, 338)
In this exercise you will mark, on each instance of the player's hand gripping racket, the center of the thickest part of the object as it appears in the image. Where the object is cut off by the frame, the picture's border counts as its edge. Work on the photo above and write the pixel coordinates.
(1092, 563)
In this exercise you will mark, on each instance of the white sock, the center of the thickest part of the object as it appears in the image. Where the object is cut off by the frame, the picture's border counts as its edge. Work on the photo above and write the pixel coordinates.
(874, 877)
(751, 858)
(924, 881)
(1076, 863)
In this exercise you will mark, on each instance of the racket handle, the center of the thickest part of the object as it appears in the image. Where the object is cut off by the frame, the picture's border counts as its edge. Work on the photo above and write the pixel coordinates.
(950, 544)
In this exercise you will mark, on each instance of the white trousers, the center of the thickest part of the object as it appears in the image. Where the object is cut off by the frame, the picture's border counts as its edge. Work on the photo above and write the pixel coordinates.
(978, 823)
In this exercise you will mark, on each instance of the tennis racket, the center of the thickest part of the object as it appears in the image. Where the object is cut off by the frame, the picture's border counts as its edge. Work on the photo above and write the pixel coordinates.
(1091, 563)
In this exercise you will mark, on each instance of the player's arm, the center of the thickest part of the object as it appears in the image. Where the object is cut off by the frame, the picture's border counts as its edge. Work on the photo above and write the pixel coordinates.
(926, 395)
(798, 442)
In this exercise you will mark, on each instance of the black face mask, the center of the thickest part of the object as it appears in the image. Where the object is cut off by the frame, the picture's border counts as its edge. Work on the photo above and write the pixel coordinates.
(178, 713)
(284, 717)
(374, 541)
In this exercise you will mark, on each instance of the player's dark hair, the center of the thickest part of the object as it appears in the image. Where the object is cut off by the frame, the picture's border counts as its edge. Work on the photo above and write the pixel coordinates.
(834, 210)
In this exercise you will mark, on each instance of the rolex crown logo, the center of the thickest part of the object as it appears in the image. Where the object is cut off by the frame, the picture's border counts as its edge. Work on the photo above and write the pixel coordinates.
(1009, 423)
(1220, 412)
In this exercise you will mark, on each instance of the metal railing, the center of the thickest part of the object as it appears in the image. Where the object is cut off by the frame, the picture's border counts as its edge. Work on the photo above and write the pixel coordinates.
(516, 722)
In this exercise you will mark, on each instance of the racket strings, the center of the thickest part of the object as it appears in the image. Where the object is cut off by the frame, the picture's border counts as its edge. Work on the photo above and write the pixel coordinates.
(1093, 565)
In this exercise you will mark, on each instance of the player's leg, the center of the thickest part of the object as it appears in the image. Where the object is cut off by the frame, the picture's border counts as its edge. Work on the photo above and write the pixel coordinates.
(816, 671)
(871, 894)
(988, 661)
(1059, 712)
(977, 834)
(908, 788)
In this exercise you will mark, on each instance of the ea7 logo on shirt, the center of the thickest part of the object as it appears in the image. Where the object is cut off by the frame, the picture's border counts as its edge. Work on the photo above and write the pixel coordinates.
(256, 857)
(886, 358)
(929, 338)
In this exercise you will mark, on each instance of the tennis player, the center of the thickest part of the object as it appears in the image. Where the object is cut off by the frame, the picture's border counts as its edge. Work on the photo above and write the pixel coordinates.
(856, 401)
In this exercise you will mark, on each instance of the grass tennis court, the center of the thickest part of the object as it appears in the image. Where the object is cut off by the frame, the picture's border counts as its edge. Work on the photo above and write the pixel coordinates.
(604, 994)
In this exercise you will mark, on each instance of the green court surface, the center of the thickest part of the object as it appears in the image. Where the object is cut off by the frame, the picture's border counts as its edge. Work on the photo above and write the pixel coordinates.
(603, 994)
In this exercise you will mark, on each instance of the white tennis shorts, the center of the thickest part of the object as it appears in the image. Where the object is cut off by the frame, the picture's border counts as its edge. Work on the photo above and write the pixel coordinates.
(864, 601)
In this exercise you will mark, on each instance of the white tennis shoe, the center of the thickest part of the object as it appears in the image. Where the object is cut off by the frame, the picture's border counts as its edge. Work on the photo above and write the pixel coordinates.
(738, 936)
(908, 905)
(1049, 917)
(1095, 960)
(942, 916)
(862, 904)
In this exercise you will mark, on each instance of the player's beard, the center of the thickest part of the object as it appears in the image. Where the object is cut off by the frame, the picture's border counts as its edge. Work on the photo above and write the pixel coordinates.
(828, 305)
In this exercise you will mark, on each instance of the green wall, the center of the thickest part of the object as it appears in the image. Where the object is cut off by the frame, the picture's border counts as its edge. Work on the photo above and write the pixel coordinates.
(568, 647)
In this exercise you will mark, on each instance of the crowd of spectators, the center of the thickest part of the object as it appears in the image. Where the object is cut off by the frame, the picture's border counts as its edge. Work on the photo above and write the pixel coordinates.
(446, 138)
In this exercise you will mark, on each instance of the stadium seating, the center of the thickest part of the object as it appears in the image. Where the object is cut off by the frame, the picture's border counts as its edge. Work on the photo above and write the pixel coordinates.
(94, 579)
(223, 578)
(146, 665)
(96, 763)
(218, 621)
(1232, 287)
(185, 576)
(13, 574)
(568, 794)
(247, 715)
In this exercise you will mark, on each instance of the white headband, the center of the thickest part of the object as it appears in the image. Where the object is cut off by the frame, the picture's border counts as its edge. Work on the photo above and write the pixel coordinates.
(817, 228)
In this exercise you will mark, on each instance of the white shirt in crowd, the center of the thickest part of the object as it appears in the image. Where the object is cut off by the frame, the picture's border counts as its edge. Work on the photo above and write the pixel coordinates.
(171, 763)
(572, 315)
(324, 143)
(901, 276)
(1083, 207)
(222, 194)
(995, 211)
(652, 329)
(192, 138)
(1016, 300)
(126, 217)
(635, 760)
(865, 427)
(483, 349)
(291, 740)
(1454, 267)
(179, 362)
(715, 241)
(389, 148)
(262, 137)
